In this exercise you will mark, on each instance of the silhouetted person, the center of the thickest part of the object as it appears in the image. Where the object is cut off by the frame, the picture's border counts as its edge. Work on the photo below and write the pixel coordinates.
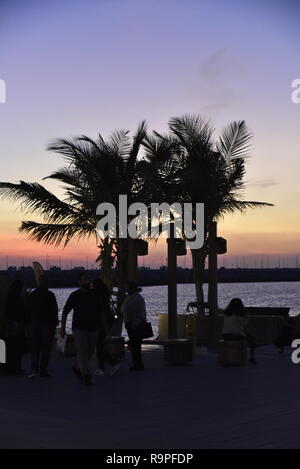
(134, 311)
(105, 324)
(86, 308)
(286, 334)
(15, 322)
(44, 319)
(235, 319)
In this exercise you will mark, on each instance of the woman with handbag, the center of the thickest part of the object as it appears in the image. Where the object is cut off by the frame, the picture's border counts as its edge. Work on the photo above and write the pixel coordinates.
(134, 311)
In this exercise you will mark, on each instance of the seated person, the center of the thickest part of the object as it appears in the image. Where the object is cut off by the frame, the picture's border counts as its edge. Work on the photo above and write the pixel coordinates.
(235, 319)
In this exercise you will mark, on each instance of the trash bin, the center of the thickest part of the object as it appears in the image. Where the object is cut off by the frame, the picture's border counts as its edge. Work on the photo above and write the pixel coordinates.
(178, 351)
(181, 326)
(186, 328)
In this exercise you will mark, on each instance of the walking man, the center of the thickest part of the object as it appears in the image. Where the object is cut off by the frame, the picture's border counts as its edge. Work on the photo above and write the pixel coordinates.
(86, 308)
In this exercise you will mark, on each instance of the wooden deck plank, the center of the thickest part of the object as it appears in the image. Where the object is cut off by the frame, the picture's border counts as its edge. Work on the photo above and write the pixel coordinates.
(201, 405)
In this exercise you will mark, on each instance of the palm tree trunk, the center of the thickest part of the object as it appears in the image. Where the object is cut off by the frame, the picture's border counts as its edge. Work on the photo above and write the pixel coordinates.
(213, 286)
(198, 258)
(106, 260)
(121, 270)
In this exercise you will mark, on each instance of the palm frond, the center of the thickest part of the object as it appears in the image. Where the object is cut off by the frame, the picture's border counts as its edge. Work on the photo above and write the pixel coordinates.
(160, 148)
(119, 142)
(235, 141)
(133, 154)
(33, 197)
(56, 234)
(232, 206)
(71, 149)
(92, 143)
(194, 132)
(68, 176)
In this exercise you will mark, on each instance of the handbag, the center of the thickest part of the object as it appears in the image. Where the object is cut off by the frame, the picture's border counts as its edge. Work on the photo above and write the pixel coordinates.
(144, 330)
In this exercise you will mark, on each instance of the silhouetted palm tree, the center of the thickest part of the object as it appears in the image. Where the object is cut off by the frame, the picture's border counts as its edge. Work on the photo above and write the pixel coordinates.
(206, 171)
(97, 171)
(186, 165)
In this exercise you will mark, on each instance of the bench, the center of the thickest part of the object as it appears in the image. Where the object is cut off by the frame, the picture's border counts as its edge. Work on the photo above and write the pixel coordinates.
(176, 351)
(232, 353)
(264, 324)
(266, 310)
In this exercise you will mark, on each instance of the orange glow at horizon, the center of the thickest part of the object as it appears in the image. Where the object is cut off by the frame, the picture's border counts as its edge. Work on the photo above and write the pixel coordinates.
(20, 250)
(259, 232)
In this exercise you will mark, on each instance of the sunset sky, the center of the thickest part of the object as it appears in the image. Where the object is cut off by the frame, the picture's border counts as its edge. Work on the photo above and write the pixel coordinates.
(77, 67)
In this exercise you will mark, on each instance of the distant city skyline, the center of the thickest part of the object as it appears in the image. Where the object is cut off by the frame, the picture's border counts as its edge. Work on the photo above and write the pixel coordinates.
(228, 261)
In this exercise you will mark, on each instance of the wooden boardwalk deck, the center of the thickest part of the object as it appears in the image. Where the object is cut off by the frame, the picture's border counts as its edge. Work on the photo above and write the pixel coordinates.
(198, 406)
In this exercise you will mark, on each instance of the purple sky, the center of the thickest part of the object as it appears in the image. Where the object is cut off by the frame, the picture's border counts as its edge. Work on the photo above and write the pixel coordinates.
(78, 67)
